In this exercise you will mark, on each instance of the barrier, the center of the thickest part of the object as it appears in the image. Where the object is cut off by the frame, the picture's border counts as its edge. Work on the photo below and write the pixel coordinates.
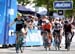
(8, 12)
(33, 38)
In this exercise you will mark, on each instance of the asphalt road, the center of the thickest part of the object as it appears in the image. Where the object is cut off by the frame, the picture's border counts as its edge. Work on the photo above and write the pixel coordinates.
(39, 50)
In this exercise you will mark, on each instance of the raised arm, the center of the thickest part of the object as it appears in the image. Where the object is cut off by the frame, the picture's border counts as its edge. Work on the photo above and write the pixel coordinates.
(12, 23)
(72, 19)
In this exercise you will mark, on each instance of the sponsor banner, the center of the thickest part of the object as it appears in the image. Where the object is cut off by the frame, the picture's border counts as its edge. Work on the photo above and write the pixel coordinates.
(63, 5)
(33, 38)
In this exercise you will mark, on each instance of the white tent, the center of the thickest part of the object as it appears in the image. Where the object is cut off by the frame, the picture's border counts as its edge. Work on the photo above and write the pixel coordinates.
(41, 10)
(55, 15)
(38, 10)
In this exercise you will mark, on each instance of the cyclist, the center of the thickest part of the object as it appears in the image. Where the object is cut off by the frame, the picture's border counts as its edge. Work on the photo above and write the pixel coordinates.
(57, 27)
(67, 30)
(47, 28)
(19, 24)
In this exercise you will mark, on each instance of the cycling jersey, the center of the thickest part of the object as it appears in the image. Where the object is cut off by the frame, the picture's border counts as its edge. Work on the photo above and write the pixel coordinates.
(67, 28)
(19, 24)
(57, 26)
(47, 27)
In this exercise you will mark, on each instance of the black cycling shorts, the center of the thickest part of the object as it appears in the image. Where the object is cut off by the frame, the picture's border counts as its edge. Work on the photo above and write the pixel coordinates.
(56, 32)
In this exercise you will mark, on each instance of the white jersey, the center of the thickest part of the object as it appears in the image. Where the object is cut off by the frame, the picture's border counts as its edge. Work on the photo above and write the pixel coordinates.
(57, 26)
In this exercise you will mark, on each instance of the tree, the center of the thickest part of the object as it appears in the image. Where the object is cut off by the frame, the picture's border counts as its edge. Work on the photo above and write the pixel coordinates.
(49, 5)
(46, 3)
(71, 12)
(23, 1)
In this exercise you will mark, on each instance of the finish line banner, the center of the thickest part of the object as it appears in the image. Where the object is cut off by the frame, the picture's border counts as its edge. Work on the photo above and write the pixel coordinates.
(63, 5)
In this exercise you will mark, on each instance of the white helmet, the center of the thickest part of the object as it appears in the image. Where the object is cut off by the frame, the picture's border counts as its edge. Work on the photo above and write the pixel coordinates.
(47, 21)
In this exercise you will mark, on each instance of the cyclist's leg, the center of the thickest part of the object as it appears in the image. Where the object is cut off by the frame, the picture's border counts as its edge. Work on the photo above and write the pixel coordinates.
(17, 46)
(66, 40)
(72, 34)
(59, 37)
(45, 43)
(45, 40)
(49, 40)
(54, 36)
(55, 39)
(21, 42)
(44, 34)
(56, 42)
(59, 42)
(69, 42)
(18, 40)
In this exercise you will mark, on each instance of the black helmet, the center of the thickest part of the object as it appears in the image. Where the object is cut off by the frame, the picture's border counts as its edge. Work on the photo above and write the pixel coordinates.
(66, 22)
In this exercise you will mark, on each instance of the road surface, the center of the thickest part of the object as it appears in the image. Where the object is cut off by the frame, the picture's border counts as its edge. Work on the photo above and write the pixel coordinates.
(39, 50)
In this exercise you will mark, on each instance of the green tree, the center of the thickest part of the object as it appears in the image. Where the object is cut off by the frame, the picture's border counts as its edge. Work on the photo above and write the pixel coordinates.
(71, 12)
(46, 3)
(49, 5)
(23, 1)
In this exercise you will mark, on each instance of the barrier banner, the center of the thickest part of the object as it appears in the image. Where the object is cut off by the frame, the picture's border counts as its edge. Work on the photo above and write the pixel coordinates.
(63, 5)
(33, 38)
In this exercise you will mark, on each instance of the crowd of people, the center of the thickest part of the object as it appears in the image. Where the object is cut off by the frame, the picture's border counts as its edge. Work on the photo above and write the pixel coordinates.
(50, 28)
